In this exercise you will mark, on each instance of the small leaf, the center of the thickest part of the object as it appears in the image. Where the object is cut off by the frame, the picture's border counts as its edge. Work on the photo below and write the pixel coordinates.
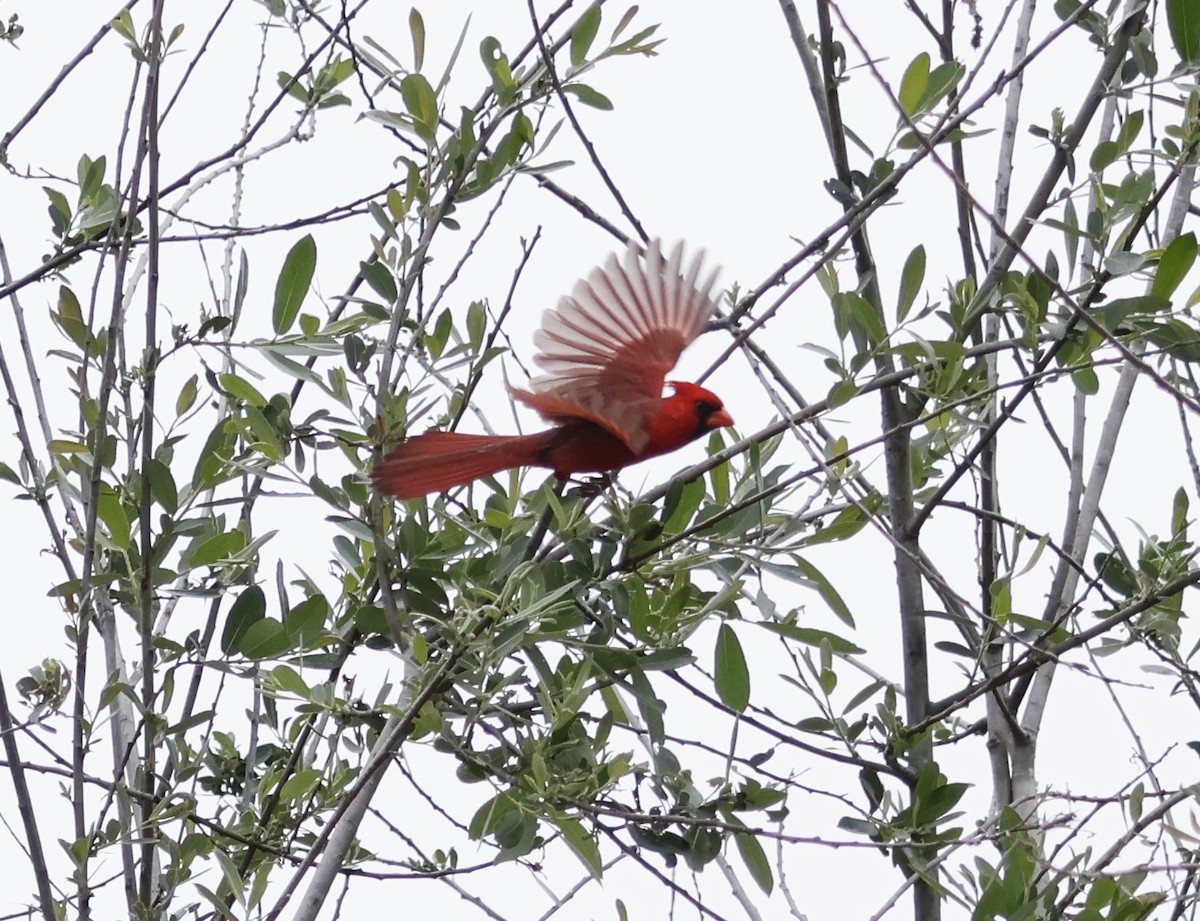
(1131, 127)
(421, 102)
(70, 317)
(942, 81)
(911, 278)
(294, 280)
(7, 473)
(584, 34)
(624, 21)
(853, 313)
(1086, 380)
(732, 675)
(1124, 262)
(162, 485)
(241, 389)
(476, 324)
(755, 859)
(250, 607)
(589, 96)
(1174, 264)
(582, 844)
(60, 210)
(265, 639)
(1179, 513)
(292, 87)
(216, 549)
(914, 84)
(63, 446)
(416, 27)
(811, 636)
(289, 679)
(826, 590)
(187, 395)
(1183, 20)
(110, 511)
(1104, 154)
(1000, 592)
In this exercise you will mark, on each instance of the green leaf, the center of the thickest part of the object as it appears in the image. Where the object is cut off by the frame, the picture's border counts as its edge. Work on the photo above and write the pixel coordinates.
(476, 324)
(380, 278)
(488, 816)
(306, 621)
(294, 280)
(496, 62)
(841, 393)
(123, 26)
(755, 859)
(217, 548)
(681, 503)
(1123, 262)
(811, 636)
(1131, 127)
(942, 81)
(416, 28)
(1000, 593)
(1174, 264)
(421, 102)
(1179, 513)
(250, 607)
(582, 844)
(1103, 155)
(162, 485)
(187, 395)
(584, 34)
(63, 446)
(1086, 380)
(846, 523)
(938, 802)
(1183, 21)
(299, 784)
(911, 278)
(732, 675)
(1113, 313)
(243, 283)
(853, 313)
(241, 389)
(264, 639)
(70, 317)
(60, 211)
(110, 511)
(289, 679)
(589, 96)
(825, 589)
(292, 86)
(914, 84)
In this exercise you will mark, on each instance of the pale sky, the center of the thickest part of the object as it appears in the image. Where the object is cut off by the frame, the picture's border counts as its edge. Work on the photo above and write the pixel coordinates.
(714, 141)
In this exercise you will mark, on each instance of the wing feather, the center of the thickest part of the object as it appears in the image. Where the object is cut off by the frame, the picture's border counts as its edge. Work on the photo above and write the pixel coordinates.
(605, 349)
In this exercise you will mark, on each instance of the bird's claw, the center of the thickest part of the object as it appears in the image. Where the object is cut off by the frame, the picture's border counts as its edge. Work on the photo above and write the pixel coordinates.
(591, 486)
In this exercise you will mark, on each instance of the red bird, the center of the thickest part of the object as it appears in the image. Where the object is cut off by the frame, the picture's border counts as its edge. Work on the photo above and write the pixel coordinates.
(605, 351)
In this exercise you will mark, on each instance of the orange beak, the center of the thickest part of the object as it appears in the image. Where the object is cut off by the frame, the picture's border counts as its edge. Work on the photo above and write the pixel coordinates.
(720, 419)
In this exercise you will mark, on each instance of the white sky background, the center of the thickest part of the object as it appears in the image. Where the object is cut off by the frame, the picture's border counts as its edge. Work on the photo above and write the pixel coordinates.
(715, 141)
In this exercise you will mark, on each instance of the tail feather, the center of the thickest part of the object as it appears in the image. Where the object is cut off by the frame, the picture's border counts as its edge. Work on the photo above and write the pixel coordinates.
(437, 461)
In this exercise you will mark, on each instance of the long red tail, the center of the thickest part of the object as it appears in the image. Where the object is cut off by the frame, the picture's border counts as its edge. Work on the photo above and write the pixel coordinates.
(437, 461)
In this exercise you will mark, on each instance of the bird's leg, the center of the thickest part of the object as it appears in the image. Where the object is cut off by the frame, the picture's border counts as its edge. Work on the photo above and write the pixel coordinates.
(591, 486)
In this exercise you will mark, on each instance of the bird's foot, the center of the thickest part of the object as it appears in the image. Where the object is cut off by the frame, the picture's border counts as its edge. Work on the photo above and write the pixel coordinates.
(591, 486)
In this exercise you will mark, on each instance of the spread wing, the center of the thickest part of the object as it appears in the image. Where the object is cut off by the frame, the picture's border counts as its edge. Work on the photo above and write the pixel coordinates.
(606, 349)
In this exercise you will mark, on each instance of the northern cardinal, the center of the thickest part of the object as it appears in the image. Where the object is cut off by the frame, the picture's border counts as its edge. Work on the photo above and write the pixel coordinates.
(605, 351)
